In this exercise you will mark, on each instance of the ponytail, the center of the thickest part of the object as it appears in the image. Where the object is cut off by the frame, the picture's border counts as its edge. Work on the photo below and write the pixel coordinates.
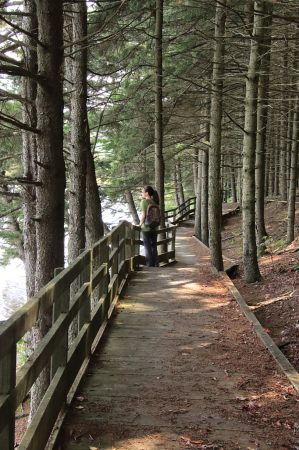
(152, 193)
(156, 197)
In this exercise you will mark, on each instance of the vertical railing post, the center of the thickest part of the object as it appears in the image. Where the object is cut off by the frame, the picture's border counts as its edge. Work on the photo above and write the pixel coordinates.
(7, 384)
(86, 277)
(61, 305)
(122, 235)
(136, 233)
(114, 245)
(103, 285)
(129, 248)
(167, 243)
(173, 241)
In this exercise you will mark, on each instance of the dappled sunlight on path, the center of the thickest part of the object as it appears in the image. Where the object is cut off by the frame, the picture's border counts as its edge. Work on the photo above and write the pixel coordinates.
(173, 365)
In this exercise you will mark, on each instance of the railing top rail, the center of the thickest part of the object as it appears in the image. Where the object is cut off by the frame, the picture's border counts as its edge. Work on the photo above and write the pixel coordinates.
(14, 328)
(182, 205)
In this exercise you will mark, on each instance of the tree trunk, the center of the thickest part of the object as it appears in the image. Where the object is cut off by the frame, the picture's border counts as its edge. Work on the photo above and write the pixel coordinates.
(233, 180)
(215, 140)
(283, 134)
(94, 227)
(195, 171)
(159, 160)
(51, 171)
(179, 182)
(205, 180)
(197, 223)
(205, 198)
(78, 121)
(293, 173)
(262, 114)
(132, 207)
(29, 155)
(79, 145)
(277, 161)
(175, 186)
(251, 267)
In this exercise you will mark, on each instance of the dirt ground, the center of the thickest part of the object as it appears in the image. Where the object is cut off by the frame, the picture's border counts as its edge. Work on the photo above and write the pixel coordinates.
(275, 300)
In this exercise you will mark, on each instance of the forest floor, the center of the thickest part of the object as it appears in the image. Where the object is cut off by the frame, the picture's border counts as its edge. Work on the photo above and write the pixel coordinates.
(275, 301)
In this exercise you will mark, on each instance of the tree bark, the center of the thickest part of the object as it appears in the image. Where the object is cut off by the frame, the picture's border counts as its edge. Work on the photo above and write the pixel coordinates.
(294, 168)
(51, 171)
(215, 140)
(283, 134)
(195, 171)
(159, 160)
(179, 181)
(29, 153)
(78, 145)
(233, 180)
(197, 223)
(251, 267)
(132, 207)
(262, 115)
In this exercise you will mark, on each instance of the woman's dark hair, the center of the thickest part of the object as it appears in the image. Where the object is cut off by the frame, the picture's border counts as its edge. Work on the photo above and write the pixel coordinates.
(152, 193)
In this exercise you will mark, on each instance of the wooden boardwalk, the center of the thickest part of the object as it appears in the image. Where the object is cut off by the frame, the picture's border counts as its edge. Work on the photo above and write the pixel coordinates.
(157, 381)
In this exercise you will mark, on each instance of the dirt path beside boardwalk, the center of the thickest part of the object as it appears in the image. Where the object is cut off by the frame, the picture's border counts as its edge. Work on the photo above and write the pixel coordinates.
(180, 367)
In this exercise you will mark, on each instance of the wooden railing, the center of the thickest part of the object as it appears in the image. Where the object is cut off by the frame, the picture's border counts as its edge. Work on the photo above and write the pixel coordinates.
(102, 270)
(176, 215)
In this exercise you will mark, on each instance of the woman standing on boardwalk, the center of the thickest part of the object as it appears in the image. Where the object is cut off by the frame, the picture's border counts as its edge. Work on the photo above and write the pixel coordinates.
(149, 235)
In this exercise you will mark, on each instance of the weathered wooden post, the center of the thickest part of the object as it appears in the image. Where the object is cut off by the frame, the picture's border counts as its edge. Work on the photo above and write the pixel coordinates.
(86, 277)
(173, 241)
(61, 306)
(129, 249)
(7, 384)
(136, 232)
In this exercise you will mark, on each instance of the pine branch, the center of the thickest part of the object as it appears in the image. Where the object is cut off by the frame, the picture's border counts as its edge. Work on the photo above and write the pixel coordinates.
(21, 30)
(4, 95)
(20, 71)
(18, 124)
(10, 211)
(10, 194)
(9, 60)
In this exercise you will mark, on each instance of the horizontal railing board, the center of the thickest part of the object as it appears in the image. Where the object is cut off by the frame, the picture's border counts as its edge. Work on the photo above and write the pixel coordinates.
(13, 329)
(30, 371)
(165, 241)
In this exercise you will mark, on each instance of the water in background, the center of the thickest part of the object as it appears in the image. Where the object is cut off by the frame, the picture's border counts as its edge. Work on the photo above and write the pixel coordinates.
(12, 276)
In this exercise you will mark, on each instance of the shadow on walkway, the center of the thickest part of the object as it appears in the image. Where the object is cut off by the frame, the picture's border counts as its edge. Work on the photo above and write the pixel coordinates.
(161, 378)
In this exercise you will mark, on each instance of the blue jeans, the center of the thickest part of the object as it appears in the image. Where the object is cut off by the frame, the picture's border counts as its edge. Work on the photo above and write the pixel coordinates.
(150, 246)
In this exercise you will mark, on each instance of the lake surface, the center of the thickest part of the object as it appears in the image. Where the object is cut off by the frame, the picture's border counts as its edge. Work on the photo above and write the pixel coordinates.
(12, 276)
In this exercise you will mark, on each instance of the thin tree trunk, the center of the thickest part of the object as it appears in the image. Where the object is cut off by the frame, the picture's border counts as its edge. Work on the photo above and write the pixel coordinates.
(277, 161)
(233, 180)
(251, 267)
(294, 169)
(159, 160)
(79, 145)
(179, 182)
(175, 186)
(131, 205)
(215, 203)
(283, 134)
(29, 155)
(51, 171)
(262, 116)
(197, 223)
(205, 178)
(195, 171)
